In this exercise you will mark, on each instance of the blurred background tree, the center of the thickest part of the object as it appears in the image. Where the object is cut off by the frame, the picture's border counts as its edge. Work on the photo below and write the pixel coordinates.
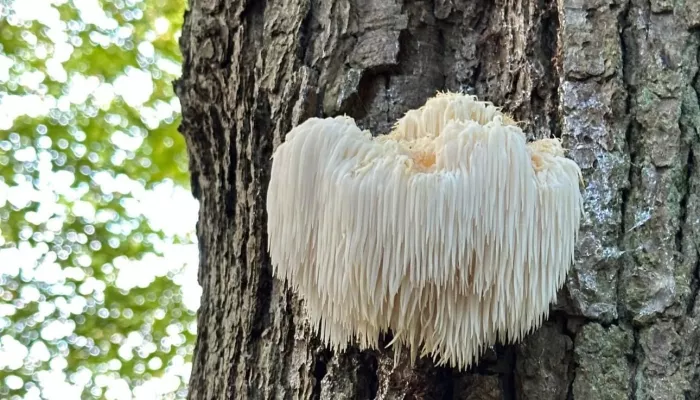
(97, 248)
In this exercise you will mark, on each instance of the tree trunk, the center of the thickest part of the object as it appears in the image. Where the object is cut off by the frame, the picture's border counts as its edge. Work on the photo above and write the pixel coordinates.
(617, 81)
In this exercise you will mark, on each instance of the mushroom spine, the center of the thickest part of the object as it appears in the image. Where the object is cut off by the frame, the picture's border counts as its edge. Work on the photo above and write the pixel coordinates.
(452, 231)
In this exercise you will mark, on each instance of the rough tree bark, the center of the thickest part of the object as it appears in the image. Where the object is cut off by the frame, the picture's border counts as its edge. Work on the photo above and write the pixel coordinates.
(616, 79)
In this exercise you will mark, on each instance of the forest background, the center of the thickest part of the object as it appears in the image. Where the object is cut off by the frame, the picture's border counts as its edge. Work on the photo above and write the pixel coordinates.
(98, 253)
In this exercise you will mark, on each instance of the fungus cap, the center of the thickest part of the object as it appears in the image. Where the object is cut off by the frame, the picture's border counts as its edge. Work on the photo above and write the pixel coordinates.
(451, 231)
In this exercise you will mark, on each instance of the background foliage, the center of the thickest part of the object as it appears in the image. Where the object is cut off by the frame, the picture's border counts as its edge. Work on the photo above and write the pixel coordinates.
(95, 216)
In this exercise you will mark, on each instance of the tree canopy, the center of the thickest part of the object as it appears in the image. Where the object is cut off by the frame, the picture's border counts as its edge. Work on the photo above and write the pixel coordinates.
(96, 220)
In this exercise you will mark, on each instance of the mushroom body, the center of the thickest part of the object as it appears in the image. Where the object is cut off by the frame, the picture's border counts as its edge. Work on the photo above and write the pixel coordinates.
(451, 231)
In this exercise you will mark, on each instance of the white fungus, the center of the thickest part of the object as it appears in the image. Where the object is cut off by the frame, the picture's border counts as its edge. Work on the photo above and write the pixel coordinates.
(451, 231)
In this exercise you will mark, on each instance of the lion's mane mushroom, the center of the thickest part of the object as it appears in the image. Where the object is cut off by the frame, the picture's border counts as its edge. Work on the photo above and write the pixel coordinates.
(452, 230)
